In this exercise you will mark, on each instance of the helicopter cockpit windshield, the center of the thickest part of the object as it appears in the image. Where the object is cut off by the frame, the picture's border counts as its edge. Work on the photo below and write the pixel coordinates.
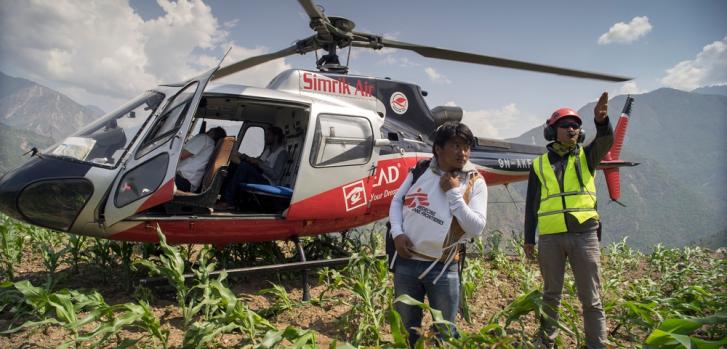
(104, 142)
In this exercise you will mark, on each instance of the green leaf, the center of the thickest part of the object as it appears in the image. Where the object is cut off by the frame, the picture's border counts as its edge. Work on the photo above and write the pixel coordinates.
(680, 326)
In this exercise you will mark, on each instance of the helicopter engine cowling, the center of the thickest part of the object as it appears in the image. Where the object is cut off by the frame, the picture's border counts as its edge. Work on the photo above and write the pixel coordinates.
(444, 114)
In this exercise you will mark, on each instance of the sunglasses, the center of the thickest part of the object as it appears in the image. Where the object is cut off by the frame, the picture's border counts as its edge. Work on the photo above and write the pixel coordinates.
(572, 125)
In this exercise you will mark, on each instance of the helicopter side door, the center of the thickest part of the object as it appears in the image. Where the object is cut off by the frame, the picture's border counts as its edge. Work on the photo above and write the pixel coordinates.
(146, 178)
(334, 178)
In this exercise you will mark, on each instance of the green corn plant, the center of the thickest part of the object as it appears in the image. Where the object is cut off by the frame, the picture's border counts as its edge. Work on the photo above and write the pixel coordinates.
(489, 336)
(75, 246)
(496, 254)
(367, 278)
(234, 311)
(129, 316)
(45, 242)
(62, 308)
(676, 333)
(204, 334)
(12, 301)
(299, 339)
(201, 296)
(472, 277)
(437, 320)
(171, 266)
(530, 302)
(281, 300)
(102, 255)
(11, 247)
(125, 251)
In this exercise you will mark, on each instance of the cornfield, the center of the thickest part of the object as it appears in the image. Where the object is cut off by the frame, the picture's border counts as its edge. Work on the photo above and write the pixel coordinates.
(72, 292)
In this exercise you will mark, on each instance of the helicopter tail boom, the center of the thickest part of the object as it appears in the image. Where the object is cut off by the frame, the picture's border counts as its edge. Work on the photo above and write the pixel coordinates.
(612, 162)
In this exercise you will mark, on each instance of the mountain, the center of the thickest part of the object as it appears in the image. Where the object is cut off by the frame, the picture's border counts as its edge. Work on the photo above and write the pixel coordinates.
(14, 144)
(677, 193)
(712, 90)
(32, 115)
(28, 106)
(97, 111)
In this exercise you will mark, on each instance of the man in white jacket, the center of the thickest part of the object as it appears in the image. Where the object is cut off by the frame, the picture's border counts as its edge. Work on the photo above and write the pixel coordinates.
(445, 206)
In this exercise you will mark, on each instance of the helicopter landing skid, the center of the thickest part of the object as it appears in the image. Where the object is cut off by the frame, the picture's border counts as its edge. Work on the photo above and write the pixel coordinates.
(303, 265)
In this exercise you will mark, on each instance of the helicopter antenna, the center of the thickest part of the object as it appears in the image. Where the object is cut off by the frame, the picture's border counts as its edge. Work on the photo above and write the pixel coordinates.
(348, 57)
(224, 56)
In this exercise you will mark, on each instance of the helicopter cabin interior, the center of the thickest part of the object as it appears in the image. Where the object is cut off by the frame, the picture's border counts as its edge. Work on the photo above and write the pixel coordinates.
(244, 120)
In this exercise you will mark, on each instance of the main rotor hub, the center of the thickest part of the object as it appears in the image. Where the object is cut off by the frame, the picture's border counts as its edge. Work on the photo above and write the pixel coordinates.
(342, 23)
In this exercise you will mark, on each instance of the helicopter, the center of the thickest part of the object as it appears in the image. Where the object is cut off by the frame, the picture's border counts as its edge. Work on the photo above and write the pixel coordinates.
(351, 140)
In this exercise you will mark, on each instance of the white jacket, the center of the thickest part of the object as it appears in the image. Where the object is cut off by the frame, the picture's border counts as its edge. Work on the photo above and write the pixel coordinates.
(424, 212)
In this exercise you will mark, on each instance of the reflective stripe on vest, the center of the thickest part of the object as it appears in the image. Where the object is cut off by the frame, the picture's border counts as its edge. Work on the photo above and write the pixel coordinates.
(574, 200)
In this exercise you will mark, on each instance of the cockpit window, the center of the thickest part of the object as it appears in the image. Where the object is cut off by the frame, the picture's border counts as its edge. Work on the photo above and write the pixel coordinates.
(167, 125)
(105, 141)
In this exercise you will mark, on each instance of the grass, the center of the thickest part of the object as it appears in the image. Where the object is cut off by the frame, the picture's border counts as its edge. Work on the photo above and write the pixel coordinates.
(670, 298)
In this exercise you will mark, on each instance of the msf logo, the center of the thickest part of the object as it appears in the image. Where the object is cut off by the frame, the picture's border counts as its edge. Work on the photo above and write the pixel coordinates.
(354, 195)
(416, 199)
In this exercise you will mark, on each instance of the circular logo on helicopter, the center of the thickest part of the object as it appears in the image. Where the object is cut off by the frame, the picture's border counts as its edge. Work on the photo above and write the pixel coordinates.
(399, 103)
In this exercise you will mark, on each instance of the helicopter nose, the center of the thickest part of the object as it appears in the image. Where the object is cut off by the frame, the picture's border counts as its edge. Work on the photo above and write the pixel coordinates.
(46, 192)
(8, 198)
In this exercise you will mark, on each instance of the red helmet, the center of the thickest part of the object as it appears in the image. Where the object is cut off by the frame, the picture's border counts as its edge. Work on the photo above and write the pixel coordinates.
(563, 113)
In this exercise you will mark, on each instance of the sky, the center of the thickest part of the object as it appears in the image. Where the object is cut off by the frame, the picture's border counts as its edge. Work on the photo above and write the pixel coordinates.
(105, 52)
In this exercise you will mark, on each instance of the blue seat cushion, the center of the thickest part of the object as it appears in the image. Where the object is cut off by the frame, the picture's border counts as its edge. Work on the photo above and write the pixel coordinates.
(266, 189)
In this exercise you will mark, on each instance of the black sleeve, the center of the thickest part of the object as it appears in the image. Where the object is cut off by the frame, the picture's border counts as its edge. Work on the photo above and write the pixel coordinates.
(532, 204)
(600, 146)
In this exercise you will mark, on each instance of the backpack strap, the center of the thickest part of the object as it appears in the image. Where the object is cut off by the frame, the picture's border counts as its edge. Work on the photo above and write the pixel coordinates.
(419, 169)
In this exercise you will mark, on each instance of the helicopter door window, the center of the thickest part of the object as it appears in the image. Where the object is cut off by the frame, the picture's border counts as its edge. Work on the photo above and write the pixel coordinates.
(169, 123)
(105, 141)
(141, 181)
(341, 141)
(253, 142)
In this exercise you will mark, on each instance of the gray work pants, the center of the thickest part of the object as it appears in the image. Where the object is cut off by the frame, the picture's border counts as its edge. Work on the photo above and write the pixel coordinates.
(583, 253)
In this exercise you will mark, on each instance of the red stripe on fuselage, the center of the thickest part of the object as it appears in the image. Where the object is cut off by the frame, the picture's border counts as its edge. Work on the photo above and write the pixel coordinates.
(313, 215)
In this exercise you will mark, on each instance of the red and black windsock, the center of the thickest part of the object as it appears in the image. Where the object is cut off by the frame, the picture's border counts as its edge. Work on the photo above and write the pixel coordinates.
(612, 162)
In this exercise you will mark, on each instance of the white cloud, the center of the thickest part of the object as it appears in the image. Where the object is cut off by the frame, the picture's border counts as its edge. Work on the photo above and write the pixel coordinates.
(105, 51)
(505, 122)
(709, 67)
(624, 33)
(436, 76)
(630, 88)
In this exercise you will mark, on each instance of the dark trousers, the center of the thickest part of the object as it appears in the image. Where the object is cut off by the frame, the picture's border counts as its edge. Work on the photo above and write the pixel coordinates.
(244, 173)
(582, 251)
(182, 183)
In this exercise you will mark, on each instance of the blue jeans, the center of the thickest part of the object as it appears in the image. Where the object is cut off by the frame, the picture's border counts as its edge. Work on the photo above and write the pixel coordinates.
(443, 296)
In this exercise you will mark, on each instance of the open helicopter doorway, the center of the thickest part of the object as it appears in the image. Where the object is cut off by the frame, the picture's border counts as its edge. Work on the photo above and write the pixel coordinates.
(245, 121)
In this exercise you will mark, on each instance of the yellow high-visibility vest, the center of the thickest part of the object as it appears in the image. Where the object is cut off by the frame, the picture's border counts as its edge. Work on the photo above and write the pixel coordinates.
(576, 201)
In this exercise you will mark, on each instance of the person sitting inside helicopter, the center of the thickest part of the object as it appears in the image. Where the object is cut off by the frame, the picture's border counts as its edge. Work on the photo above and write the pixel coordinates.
(195, 155)
(266, 169)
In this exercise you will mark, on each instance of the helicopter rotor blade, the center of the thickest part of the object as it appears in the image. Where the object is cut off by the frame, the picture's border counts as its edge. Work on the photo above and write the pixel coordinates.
(301, 47)
(459, 56)
(318, 21)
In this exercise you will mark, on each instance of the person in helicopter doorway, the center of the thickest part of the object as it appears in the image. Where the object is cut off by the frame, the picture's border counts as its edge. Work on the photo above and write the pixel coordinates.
(266, 169)
(446, 205)
(194, 158)
(561, 202)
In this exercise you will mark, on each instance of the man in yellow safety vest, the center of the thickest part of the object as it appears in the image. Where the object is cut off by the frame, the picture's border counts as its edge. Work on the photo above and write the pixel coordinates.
(561, 203)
